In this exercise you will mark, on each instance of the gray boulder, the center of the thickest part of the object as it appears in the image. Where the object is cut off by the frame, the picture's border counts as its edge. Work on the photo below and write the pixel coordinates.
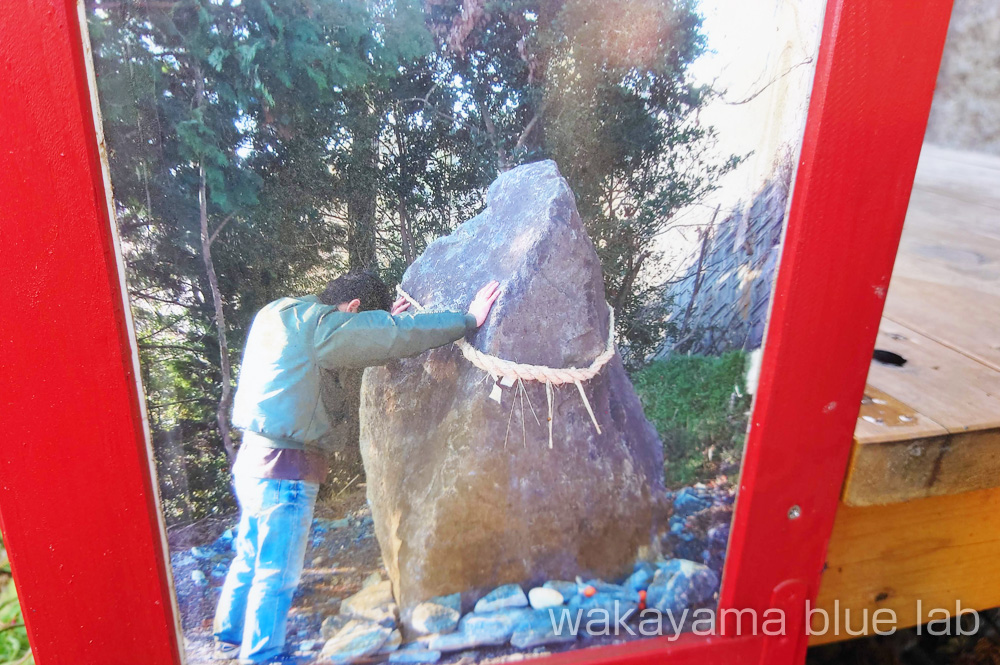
(437, 615)
(465, 492)
(624, 593)
(373, 603)
(414, 654)
(478, 630)
(540, 628)
(642, 576)
(355, 640)
(499, 621)
(392, 643)
(332, 625)
(508, 595)
(680, 584)
(603, 608)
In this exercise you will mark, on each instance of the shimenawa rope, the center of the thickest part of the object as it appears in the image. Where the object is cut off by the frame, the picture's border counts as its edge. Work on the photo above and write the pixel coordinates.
(499, 368)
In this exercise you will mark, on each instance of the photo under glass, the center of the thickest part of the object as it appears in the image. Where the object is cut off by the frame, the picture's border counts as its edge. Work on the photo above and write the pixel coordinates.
(448, 313)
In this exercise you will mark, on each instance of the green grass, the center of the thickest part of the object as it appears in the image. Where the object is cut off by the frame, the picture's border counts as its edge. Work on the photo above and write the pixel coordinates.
(694, 404)
(13, 637)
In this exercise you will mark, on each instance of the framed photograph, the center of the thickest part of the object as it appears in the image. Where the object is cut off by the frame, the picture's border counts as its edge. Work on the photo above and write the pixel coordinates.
(441, 332)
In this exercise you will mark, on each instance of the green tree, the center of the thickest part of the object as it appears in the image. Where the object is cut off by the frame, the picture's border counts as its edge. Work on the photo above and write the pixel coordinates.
(604, 89)
(220, 118)
(259, 146)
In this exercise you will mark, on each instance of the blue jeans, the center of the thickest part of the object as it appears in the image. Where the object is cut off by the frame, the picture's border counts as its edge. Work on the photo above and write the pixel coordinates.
(275, 516)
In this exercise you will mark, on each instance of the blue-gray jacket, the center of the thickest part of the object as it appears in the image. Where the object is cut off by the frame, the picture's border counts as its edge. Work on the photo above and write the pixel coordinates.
(278, 393)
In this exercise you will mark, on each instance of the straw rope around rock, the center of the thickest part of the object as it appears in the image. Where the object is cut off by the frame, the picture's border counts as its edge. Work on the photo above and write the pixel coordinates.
(500, 368)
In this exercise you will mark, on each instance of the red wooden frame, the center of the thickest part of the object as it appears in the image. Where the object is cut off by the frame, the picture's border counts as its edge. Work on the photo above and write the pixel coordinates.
(79, 512)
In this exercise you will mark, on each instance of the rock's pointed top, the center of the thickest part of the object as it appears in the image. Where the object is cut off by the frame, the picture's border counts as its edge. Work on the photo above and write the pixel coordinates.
(530, 238)
(541, 173)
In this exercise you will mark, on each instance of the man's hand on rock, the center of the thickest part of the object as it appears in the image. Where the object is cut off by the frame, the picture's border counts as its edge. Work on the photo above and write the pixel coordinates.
(400, 306)
(481, 304)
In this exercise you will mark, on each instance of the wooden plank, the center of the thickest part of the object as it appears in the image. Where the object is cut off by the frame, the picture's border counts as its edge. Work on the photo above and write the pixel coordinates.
(944, 385)
(928, 428)
(883, 418)
(959, 174)
(951, 247)
(934, 551)
(933, 211)
(963, 319)
(895, 471)
(946, 281)
(943, 155)
(938, 430)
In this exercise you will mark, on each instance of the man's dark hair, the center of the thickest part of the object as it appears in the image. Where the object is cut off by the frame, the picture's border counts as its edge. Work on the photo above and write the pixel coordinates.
(366, 286)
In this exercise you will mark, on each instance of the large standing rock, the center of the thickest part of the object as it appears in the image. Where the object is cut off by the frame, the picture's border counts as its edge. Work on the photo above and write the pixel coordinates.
(465, 492)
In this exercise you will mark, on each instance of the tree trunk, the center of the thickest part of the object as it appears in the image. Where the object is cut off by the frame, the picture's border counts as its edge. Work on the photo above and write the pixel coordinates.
(503, 162)
(626, 287)
(362, 185)
(222, 412)
(406, 238)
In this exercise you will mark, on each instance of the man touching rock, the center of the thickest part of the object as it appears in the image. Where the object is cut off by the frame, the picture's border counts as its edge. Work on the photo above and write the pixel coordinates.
(283, 459)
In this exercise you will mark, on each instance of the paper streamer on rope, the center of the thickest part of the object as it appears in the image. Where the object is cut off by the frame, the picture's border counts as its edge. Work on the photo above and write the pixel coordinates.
(501, 369)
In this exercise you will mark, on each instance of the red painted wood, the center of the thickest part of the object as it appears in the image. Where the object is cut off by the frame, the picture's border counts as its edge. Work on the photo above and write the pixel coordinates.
(75, 490)
(685, 649)
(871, 97)
(75, 493)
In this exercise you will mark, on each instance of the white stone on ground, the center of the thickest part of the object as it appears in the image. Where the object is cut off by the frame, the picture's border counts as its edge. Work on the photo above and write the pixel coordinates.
(542, 598)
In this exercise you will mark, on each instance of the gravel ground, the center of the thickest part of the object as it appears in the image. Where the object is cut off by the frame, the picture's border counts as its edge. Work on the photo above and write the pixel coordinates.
(343, 552)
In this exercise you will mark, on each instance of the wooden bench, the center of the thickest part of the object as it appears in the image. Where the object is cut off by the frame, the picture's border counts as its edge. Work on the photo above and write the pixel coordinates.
(920, 512)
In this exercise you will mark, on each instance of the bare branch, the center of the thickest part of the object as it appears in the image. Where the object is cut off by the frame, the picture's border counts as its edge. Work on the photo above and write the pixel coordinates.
(146, 296)
(168, 347)
(527, 128)
(159, 330)
(777, 78)
(218, 229)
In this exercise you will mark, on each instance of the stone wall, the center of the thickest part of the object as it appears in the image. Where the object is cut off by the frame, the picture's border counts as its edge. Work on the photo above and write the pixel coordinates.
(966, 108)
(731, 284)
